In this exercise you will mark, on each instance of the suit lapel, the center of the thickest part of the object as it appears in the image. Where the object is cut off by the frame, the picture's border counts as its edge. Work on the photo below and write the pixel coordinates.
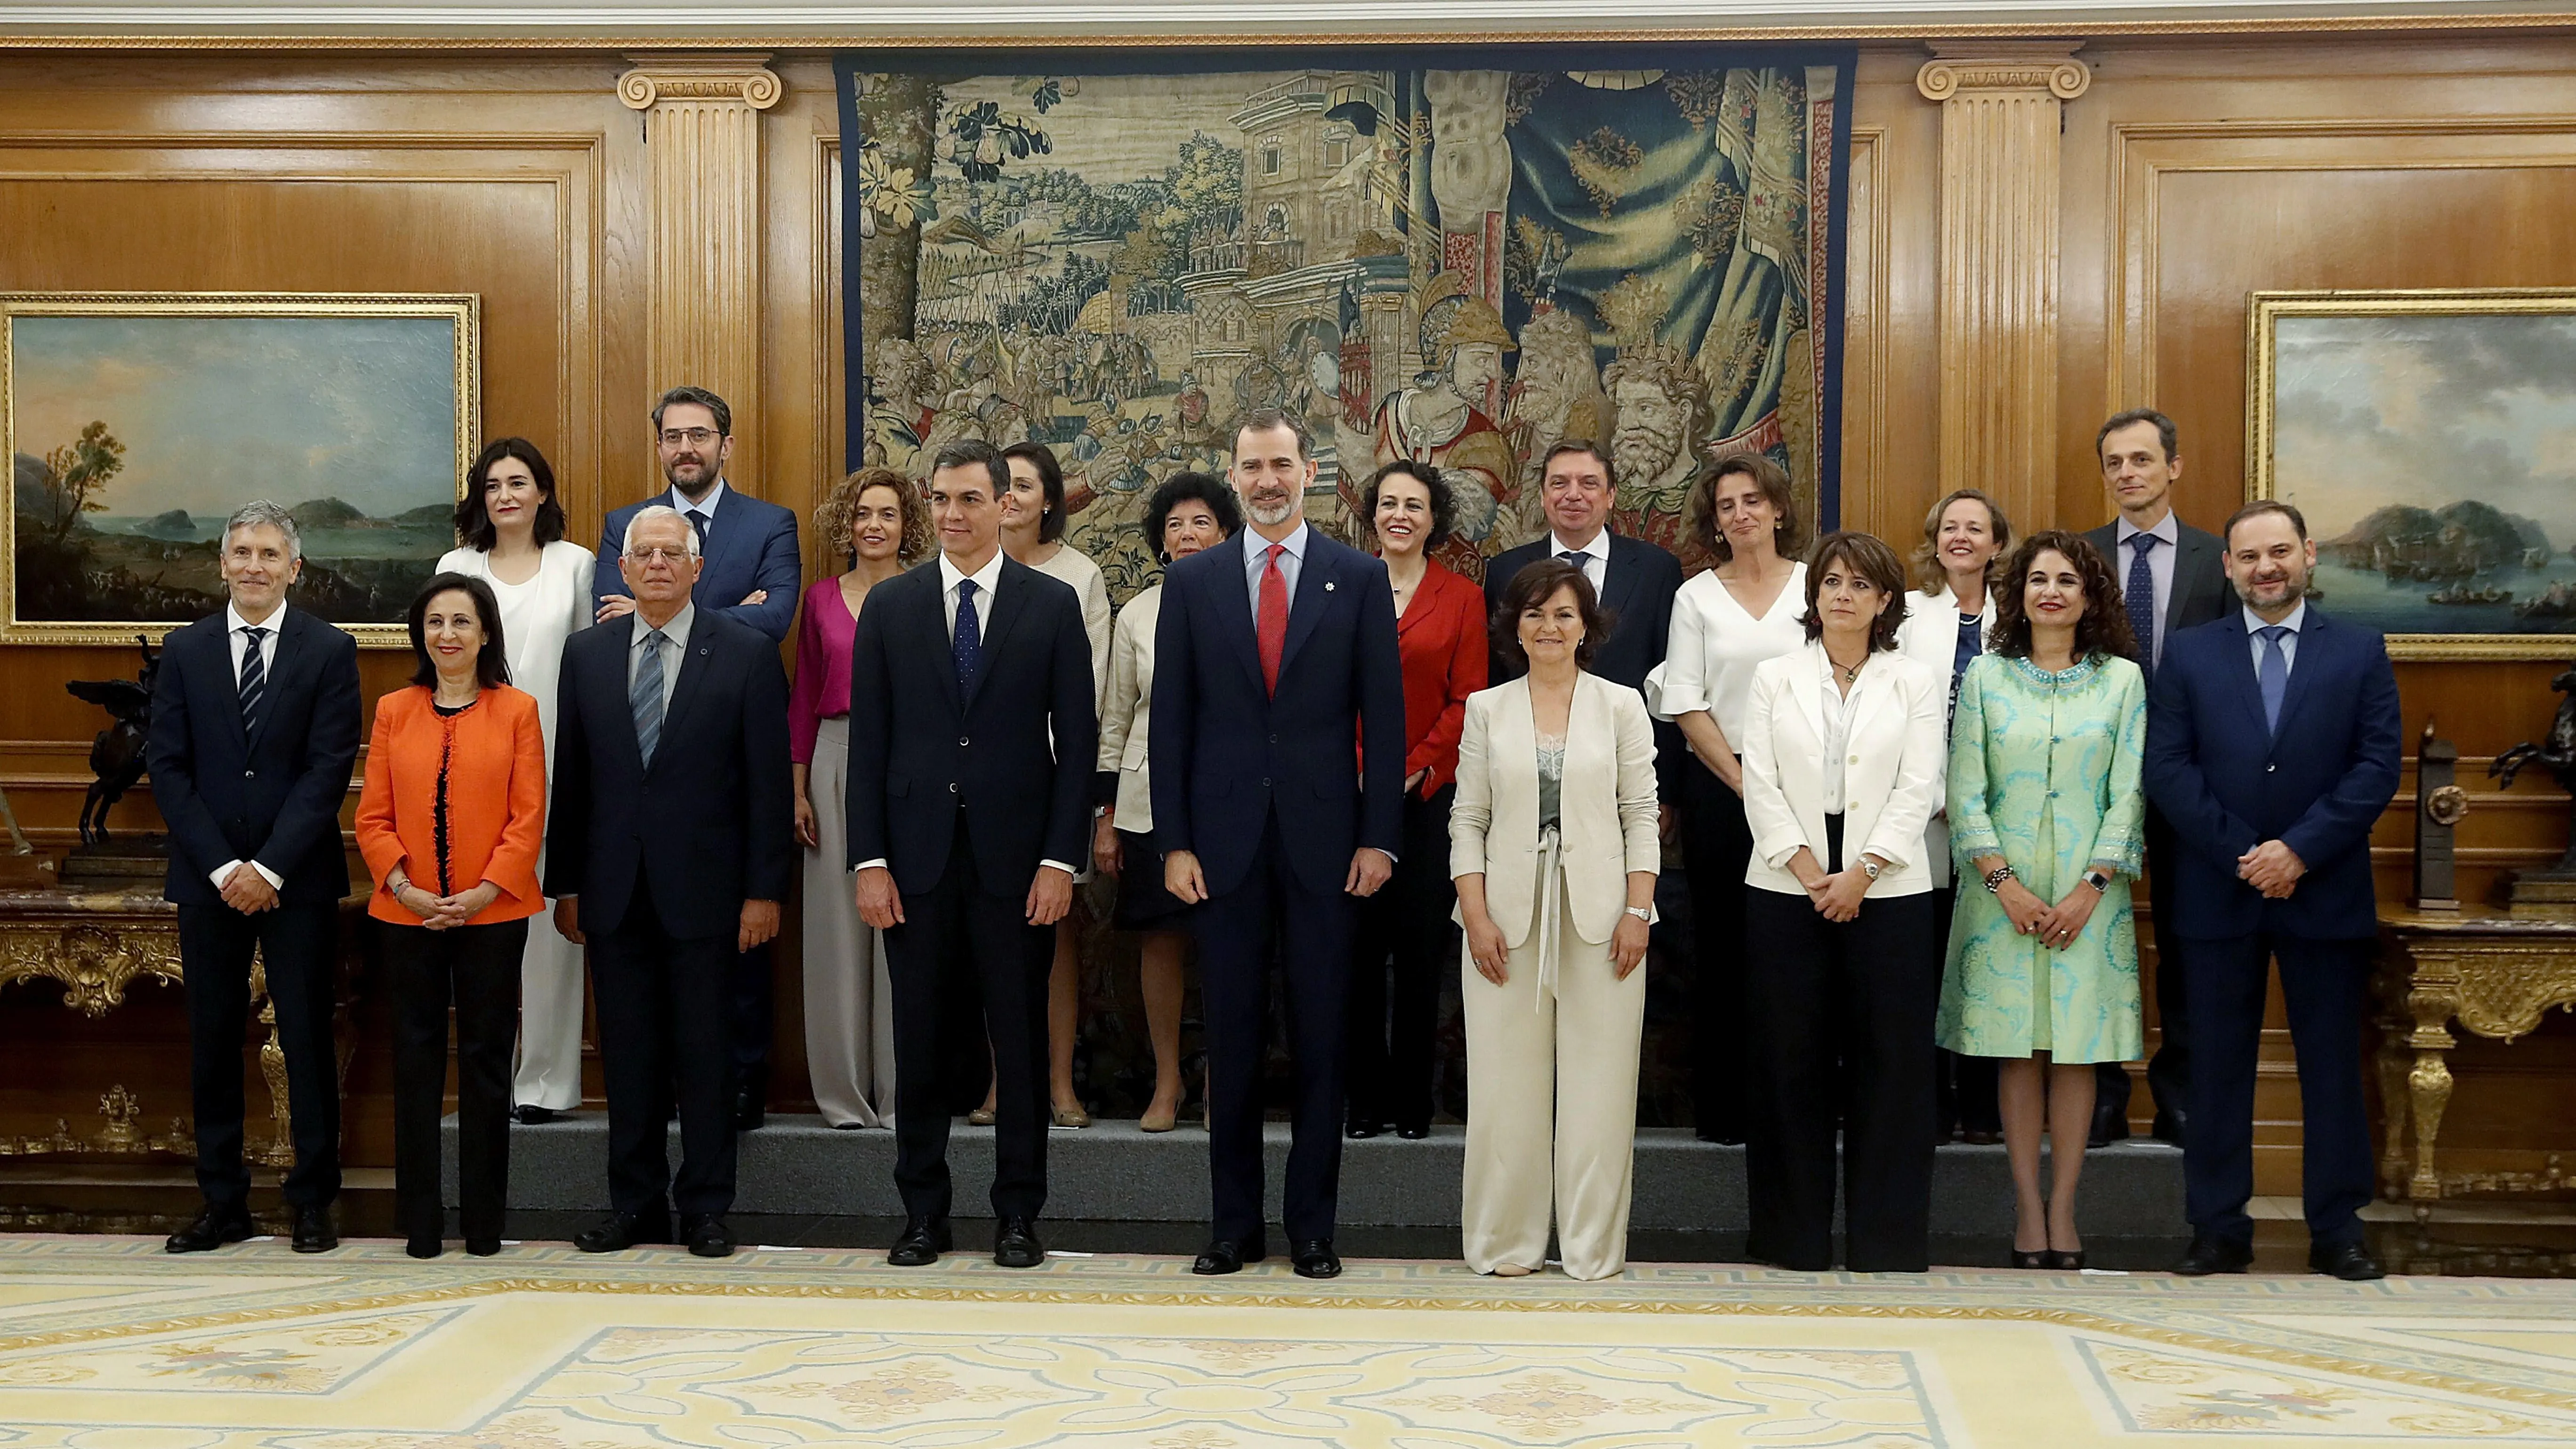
(290, 651)
(1516, 740)
(2191, 555)
(1234, 603)
(2240, 670)
(1618, 584)
(933, 627)
(1810, 689)
(695, 663)
(229, 683)
(616, 686)
(1316, 578)
(2310, 656)
(1010, 601)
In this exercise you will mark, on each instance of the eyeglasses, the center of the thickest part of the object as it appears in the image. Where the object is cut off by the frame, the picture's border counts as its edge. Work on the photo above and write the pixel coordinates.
(694, 437)
(662, 552)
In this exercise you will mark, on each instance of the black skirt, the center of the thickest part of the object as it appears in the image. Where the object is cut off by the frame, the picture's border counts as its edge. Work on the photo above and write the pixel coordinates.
(1143, 902)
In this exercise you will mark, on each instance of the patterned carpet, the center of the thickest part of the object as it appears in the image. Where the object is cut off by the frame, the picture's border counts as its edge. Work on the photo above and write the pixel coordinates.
(106, 1343)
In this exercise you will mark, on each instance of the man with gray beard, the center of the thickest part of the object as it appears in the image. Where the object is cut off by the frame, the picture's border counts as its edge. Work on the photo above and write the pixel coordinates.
(1662, 412)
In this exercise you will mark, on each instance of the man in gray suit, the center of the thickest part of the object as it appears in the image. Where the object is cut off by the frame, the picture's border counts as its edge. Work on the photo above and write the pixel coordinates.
(2173, 576)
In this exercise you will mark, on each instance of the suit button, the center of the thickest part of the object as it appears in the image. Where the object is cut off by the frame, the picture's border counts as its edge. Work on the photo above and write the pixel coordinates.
(961, 742)
(1265, 782)
(1274, 739)
(2052, 794)
(250, 774)
(2267, 769)
(952, 787)
(1854, 760)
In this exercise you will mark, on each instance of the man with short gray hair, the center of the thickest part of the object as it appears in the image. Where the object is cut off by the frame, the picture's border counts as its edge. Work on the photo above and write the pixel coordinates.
(254, 736)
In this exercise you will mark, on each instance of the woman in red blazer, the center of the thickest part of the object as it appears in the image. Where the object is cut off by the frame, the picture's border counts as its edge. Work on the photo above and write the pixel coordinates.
(450, 818)
(1405, 927)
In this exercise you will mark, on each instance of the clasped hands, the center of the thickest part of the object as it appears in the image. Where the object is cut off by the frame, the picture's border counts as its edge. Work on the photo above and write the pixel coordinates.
(247, 891)
(2057, 926)
(1837, 896)
(438, 912)
(2272, 868)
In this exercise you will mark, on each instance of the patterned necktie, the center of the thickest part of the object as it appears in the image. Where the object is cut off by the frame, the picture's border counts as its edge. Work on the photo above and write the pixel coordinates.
(967, 645)
(254, 679)
(698, 521)
(2274, 677)
(1271, 624)
(2142, 599)
(645, 698)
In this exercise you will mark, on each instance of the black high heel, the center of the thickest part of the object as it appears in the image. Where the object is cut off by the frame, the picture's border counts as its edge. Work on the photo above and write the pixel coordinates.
(2067, 1262)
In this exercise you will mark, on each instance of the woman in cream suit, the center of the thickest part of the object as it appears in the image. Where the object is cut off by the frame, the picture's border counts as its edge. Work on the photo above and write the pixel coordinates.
(1843, 762)
(1552, 844)
(512, 527)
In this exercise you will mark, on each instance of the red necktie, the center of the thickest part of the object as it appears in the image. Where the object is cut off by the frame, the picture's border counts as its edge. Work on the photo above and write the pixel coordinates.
(1272, 624)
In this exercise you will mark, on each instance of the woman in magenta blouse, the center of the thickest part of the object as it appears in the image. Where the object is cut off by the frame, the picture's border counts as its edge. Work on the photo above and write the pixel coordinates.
(881, 518)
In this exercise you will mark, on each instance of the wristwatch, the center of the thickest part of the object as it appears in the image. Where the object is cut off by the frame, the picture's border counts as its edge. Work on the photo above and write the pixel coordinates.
(2098, 881)
(1870, 867)
(1642, 913)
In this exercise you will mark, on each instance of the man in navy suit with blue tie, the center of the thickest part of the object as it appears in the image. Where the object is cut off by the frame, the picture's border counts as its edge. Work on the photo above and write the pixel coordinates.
(748, 571)
(1275, 652)
(2272, 746)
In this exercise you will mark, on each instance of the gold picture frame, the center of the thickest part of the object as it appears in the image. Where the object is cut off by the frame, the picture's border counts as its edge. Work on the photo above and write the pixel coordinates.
(2400, 424)
(135, 421)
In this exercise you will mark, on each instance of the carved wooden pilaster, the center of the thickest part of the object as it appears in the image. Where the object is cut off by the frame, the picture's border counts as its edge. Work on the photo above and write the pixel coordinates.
(2000, 116)
(702, 138)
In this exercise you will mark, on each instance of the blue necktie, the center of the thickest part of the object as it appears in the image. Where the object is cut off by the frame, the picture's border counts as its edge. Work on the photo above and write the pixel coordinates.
(967, 645)
(645, 698)
(254, 680)
(2274, 677)
(2142, 599)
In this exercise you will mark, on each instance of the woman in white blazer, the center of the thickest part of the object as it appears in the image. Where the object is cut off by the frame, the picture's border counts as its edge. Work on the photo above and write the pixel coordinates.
(1946, 624)
(1189, 512)
(1843, 766)
(1552, 845)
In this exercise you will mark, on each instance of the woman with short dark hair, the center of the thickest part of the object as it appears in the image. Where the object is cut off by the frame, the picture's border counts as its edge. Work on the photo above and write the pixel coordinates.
(1404, 930)
(450, 820)
(510, 524)
(1843, 757)
(1554, 851)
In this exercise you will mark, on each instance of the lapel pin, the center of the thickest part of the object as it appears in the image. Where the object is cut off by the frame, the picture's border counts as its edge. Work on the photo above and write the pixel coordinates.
(1328, 586)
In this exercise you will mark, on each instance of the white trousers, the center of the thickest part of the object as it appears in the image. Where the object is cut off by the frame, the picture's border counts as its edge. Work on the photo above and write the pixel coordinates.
(1551, 1100)
(849, 1006)
(548, 1071)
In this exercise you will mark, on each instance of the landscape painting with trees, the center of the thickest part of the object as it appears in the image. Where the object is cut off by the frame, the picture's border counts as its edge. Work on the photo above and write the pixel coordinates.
(136, 425)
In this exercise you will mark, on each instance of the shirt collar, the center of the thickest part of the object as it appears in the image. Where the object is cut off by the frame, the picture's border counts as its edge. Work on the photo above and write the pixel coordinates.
(2298, 617)
(677, 631)
(234, 623)
(985, 578)
(706, 505)
(1254, 544)
(1598, 548)
(2168, 531)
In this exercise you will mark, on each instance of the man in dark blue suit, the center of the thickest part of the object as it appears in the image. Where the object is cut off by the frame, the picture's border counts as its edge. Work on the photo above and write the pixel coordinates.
(1275, 651)
(2272, 746)
(254, 734)
(749, 572)
(668, 849)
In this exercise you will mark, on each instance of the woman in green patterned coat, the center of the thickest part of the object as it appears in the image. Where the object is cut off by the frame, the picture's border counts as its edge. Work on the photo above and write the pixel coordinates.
(2045, 811)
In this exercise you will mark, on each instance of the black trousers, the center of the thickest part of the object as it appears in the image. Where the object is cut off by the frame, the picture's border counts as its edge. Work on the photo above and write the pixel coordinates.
(1404, 931)
(2325, 985)
(663, 1042)
(753, 1014)
(1236, 932)
(1844, 1039)
(2169, 1070)
(968, 926)
(1966, 1090)
(1717, 846)
(300, 947)
(476, 969)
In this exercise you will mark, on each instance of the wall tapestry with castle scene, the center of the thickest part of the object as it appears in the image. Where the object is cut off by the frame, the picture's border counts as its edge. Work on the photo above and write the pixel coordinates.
(1455, 266)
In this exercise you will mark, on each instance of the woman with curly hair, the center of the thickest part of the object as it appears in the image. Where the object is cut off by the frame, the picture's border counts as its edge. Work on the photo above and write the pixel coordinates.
(881, 519)
(2047, 746)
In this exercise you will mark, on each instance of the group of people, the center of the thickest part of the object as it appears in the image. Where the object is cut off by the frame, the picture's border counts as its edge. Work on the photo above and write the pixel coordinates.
(1344, 766)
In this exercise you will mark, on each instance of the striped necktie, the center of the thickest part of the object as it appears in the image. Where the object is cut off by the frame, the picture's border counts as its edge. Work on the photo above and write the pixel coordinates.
(254, 679)
(645, 698)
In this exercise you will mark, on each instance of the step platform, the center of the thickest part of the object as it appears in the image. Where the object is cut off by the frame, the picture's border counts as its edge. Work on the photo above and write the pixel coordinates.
(1115, 1172)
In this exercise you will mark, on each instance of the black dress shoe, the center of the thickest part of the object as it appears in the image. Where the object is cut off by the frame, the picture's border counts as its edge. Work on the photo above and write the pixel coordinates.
(1315, 1258)
(622, 1231)
(1226, 1256)
(2170, 1125)
(1981, 1136)
(1412, 1133)
(707, 1236)
(313, 1230)
(213, 1228)
(424, 1247)
(2215, 1255)
(748, 1113)
(2110, 1124)
(1360, 1131)
(482, 1247)
(2349, 1261)
(1016, 1245)
(529, 1114)
(923, 1240)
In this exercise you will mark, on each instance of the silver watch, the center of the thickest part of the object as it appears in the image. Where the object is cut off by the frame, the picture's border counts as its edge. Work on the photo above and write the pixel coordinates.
(1869, 867)
(1642, 913)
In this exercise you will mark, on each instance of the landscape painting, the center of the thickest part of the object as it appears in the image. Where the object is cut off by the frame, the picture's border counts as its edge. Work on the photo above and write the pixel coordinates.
(136, 424)
(2430, 441)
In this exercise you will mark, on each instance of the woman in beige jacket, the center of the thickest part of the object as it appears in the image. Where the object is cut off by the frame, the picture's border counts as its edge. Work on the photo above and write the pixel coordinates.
(1552, 844)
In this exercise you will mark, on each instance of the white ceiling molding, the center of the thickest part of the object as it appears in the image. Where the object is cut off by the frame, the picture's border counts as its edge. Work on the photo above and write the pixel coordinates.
(574, 21)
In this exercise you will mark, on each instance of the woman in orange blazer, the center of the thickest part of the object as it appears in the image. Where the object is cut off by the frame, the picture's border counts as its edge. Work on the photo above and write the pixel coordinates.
(450, 818)
(1405, 933)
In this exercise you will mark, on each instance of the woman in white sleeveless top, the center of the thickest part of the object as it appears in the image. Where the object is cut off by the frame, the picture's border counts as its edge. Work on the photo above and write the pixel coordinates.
(513, 531)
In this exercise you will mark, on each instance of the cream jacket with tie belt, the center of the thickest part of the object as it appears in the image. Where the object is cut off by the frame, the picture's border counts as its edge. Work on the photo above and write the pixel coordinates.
(1552, 1052)
(1894, 758)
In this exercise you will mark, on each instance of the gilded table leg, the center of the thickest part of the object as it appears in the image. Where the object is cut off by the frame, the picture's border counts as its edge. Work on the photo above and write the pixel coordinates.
(2396, 1098)
(2429, 1084)
(280, 1152)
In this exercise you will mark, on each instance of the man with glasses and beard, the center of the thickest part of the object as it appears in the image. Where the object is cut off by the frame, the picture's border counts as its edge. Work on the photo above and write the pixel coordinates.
(750, 572)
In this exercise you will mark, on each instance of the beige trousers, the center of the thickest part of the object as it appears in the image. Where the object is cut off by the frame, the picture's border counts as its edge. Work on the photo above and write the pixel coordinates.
(849, 1008)
(1551, 1101)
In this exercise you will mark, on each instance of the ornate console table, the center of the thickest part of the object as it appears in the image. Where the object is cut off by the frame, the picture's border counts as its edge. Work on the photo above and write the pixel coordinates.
(2492, 973)
(98, 942)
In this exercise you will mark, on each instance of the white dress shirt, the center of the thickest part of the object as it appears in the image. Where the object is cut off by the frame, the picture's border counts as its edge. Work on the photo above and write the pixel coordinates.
(1596, 557)
(675, 647)
(1256, 560)
(2160, 567)
(1837, 713)
(239, 648)
(2289, 641)
(1715, 646)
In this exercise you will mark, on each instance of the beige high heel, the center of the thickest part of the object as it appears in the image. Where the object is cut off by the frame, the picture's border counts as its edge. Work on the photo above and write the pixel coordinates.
(1073, 1116)
(1510, 1270)
(1154, 1121)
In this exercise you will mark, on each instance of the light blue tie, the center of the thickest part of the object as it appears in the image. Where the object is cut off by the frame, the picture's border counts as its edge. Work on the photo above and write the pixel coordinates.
(646, 697)
(2274, 677)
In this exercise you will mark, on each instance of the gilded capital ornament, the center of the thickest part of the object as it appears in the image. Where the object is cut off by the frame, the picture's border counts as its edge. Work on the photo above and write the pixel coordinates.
(657, 78)
(2045, 66)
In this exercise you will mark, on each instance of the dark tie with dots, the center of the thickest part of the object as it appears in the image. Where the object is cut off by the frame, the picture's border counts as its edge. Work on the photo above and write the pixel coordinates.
(967, 644)
(254, 680)
(2142, 599)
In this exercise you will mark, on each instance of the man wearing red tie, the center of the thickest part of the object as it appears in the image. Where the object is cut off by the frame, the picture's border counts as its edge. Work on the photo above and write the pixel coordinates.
(1274, 650)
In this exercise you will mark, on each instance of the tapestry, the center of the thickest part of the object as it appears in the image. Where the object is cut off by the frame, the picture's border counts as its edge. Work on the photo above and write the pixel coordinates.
(1458, 267)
